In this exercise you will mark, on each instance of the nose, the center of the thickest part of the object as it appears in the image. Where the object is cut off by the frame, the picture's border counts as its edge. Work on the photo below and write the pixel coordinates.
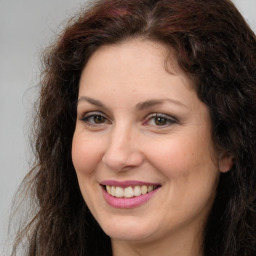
(122, 152)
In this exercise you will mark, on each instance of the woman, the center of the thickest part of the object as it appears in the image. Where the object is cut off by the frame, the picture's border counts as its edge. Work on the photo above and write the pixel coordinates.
(145, 134)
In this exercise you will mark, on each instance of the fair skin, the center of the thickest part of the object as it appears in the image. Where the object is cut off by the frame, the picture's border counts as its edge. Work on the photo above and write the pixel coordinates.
(138, 122)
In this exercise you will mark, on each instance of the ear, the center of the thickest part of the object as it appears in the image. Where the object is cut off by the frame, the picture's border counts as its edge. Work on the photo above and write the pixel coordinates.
(226, 162)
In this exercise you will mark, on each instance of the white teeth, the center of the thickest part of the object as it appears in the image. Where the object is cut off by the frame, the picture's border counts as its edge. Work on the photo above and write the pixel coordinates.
(150, 188)
(119, 192)
(144, 190)
(137, 191)
(113, 191)
(129, 192)
(108, 189)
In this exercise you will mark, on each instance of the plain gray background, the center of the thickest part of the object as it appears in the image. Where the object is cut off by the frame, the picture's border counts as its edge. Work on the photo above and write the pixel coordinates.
(26, 27)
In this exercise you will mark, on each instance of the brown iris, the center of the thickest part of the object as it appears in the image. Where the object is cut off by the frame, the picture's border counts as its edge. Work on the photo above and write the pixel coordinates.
(160, 120)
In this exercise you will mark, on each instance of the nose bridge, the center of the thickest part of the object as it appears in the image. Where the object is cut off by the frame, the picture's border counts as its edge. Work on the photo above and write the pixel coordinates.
(122, 151)
(121, 137)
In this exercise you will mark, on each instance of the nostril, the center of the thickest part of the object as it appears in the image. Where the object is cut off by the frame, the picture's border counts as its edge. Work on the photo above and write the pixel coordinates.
(122, 160)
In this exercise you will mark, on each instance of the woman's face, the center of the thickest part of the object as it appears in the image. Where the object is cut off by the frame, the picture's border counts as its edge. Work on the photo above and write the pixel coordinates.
(142, 147)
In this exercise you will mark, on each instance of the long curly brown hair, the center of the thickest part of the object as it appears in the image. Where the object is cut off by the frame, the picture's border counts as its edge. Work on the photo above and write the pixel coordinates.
(217, 49)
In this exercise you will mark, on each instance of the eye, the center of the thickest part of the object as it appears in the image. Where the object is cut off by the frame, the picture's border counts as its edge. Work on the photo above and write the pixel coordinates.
(161, 120)
(95, 118)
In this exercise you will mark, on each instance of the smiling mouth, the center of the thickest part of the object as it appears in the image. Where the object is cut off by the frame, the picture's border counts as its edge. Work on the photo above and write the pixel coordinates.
(130, 191)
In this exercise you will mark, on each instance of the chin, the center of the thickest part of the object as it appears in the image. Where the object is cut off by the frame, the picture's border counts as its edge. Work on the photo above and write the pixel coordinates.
(128, 230)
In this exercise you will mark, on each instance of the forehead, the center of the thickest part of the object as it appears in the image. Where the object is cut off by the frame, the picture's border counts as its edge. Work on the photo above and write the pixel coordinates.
(138, 57)
(135, 71)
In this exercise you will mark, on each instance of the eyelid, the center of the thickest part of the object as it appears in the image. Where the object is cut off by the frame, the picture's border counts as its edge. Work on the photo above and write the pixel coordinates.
(89, 114)
(170, 119)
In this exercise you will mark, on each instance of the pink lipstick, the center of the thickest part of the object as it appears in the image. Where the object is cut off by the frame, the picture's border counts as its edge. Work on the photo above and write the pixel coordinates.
(128, 194)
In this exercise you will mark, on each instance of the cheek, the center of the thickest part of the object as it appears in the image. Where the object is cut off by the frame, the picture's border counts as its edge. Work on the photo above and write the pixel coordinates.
(181, 156)
(190, 174)
(86, 154)
(187, 162)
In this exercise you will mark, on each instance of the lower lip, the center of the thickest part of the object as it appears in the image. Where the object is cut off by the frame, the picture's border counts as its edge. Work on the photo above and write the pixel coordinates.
(128, 203)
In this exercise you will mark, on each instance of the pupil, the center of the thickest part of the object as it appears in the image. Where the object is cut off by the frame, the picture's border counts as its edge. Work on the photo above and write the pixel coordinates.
(160, 121)
(98, 119)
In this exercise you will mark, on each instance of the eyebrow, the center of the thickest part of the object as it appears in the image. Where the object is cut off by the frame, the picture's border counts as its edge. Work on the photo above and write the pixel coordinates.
(140, 106)
(92, 101)
(153, 102)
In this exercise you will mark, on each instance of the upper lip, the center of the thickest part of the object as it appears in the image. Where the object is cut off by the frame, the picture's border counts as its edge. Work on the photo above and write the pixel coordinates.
(127, 183)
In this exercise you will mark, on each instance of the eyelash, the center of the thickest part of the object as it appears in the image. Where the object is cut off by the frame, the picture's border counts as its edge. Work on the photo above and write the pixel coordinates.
(154, 116)
(86, 118)
(166, 118)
